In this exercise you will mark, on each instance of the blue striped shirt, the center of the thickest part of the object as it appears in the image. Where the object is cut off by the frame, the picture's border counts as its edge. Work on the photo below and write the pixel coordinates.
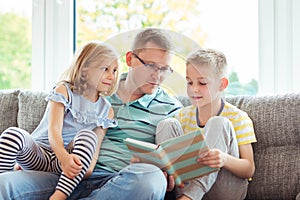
(137, 119)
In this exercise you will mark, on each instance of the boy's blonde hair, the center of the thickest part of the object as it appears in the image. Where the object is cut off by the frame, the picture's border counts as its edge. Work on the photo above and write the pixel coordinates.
(210, 57)
(157, 36)
(92, 52)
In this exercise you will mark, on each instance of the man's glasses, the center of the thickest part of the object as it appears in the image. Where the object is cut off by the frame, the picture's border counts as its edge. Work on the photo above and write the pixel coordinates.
(152, 67)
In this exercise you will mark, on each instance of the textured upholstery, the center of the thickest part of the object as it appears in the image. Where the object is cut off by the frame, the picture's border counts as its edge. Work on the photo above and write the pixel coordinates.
(32, 105)
(276, 122)
(8, 108)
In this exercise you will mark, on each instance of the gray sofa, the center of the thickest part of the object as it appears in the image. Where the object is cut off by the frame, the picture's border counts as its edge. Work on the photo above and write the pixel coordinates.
(276, 122)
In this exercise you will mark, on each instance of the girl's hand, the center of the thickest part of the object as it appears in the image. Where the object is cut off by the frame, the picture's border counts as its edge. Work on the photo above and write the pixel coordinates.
(17, 167)
(214, 158)
(71, 165)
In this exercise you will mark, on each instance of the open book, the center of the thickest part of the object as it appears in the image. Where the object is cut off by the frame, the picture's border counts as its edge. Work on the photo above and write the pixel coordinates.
(177, 156)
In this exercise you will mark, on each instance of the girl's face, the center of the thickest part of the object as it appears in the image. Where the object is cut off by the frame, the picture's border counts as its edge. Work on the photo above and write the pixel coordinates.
(203, 85)
(102, 77)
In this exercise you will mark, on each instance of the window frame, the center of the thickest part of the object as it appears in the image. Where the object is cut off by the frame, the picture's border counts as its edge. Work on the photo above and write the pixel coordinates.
(52, 41)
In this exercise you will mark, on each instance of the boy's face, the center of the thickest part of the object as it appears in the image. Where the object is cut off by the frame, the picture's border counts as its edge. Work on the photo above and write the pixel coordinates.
(203, 85)
(146, 80)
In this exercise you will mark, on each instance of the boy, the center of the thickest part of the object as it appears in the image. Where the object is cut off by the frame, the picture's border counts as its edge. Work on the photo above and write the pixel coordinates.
(228, 130)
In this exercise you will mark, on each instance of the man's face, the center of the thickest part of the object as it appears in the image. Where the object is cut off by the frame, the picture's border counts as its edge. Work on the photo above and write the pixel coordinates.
(148, 78)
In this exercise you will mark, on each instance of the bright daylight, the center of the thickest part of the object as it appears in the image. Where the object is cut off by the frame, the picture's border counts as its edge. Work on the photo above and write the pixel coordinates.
(149, 100)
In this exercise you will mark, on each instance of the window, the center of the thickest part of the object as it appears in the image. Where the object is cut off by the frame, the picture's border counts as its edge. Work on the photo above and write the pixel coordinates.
(208, 23)
(42, 59)
(15, 43)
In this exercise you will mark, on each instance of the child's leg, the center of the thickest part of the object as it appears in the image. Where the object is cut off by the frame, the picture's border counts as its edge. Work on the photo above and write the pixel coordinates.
(220, 134)
(17, 145)
(84, 145)
(167, 129)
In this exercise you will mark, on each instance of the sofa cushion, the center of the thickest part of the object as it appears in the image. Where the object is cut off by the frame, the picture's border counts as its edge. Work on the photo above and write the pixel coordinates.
(8, 108)
(32, 105)
(277, 128)
(276, 118)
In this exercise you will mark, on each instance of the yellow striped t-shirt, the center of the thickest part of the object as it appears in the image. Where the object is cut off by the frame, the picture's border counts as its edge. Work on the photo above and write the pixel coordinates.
(240, 120)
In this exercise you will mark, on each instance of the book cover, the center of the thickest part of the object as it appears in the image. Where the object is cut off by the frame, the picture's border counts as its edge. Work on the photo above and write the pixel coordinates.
(177, 156)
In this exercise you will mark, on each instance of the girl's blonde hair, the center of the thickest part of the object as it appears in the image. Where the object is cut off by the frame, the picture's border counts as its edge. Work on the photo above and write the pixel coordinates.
(92, 52)
(210, 57)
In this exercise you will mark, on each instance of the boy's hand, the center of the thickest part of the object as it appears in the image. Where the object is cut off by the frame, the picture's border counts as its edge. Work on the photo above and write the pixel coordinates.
(214, 158)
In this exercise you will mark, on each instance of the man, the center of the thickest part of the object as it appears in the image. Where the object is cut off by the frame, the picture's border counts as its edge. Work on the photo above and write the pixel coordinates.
(139, 104)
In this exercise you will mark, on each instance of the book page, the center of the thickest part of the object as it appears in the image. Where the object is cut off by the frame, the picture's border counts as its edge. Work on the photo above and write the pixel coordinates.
(141, 143)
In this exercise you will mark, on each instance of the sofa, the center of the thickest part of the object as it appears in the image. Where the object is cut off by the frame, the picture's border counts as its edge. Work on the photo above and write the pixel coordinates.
(276, 122)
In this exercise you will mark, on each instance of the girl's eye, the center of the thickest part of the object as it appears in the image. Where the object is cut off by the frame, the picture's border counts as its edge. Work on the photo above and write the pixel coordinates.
(202, 83)
(189, 82)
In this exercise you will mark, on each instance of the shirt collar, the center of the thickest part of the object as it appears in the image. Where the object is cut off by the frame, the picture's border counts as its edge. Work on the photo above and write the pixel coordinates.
(147, 99)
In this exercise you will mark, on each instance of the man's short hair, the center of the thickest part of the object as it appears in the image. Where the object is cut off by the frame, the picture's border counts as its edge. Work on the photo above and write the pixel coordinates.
(156, 36)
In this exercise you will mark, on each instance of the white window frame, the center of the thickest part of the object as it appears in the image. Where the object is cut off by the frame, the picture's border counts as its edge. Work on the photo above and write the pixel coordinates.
(52, 41)
(279, 46)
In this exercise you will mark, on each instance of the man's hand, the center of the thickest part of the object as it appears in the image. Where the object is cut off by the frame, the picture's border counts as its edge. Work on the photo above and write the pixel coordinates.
(170, 181)
(183, 197)
(134, 160)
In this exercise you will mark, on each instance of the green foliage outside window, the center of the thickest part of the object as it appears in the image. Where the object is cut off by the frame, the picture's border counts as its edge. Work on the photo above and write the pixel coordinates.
(15, 51)
(100, 21)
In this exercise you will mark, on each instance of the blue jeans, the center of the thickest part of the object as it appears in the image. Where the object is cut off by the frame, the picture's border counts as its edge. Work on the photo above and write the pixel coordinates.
(136, 181)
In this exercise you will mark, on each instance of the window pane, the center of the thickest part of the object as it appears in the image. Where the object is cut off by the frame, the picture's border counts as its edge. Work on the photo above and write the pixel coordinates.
(15, 43)
(230, 26)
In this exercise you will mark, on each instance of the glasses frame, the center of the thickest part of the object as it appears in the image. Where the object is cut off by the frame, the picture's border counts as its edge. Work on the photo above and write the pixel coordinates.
(156, 68)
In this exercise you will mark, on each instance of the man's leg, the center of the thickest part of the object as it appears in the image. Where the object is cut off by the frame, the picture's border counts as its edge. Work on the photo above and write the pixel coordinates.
(136, 181)
(27, 185)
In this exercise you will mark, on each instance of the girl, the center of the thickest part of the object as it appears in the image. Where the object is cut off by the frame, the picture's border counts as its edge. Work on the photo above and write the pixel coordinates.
(68, 138)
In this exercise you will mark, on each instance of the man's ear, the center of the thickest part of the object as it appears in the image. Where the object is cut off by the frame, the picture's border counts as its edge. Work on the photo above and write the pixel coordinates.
(224, 83)
(128, 58)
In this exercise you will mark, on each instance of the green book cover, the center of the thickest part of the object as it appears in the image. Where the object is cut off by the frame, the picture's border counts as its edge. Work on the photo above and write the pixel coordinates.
(177, 156)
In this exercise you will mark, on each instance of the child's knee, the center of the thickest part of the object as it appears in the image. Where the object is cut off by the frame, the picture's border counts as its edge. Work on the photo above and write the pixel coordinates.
(14, 134)
(168, 128)
(86, 138)
(169, 123)
(87, 134)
